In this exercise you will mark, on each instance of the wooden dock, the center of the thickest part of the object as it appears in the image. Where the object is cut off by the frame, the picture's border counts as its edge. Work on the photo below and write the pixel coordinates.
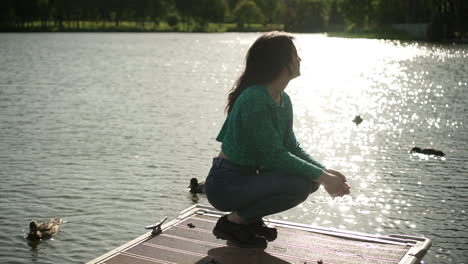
(188, 239)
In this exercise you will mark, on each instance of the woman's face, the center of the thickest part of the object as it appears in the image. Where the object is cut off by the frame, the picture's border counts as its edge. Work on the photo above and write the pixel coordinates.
(295, 66)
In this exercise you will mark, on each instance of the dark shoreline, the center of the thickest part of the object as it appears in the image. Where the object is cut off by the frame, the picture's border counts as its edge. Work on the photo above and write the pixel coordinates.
(376, 32)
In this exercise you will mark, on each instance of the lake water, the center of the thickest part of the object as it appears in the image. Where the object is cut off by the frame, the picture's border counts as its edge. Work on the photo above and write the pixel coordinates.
(106, 130)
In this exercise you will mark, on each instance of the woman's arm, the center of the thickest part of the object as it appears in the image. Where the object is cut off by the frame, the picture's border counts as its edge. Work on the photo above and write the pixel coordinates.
(270, 149)
(291, 142)
(295, 148)
(272, 154)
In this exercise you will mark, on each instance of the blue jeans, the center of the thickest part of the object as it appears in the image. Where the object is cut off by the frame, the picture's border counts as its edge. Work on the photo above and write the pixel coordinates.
(253, 193)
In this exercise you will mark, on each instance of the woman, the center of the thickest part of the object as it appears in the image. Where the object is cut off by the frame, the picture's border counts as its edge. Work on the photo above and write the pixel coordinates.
(261, 169)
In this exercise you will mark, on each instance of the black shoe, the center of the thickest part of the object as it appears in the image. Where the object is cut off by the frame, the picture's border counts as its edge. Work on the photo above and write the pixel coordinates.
(260, 228)
(239, 234)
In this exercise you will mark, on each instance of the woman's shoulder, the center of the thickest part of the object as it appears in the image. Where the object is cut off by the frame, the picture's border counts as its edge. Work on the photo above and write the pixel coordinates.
(253, 99)
(256, 91)
(253, 93)
(286, 97)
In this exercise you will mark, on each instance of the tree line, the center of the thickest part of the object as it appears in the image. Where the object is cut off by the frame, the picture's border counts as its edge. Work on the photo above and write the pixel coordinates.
(447, 18)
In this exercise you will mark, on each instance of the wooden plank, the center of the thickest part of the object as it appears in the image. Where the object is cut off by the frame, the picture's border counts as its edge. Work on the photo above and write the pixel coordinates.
(189, 239)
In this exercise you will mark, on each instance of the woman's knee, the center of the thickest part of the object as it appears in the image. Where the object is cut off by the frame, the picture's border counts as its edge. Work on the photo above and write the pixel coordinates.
(313, 186)
(303, 188)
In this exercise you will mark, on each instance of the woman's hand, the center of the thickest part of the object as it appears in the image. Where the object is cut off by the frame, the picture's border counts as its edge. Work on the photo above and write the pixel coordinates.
(337, 173)
(334, 183)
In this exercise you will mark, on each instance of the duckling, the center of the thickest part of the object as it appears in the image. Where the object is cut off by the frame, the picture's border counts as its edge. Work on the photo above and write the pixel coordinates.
(44, 230)
(196, 187)
(427, 151)
(358, 120)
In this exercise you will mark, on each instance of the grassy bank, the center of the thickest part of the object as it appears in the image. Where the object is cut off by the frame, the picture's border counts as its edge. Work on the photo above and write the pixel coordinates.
(374, 33)
(131, 26)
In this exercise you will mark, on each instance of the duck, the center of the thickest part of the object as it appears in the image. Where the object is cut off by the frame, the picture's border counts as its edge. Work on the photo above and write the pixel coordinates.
(434, 152)
(358, 120)
(196, 187)
(38, 231)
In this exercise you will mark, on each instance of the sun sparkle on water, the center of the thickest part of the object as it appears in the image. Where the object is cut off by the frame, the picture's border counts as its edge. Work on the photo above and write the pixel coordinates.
(341, 79)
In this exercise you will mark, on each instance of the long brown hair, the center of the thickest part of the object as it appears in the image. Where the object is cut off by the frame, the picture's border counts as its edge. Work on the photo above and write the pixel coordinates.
(266, 58)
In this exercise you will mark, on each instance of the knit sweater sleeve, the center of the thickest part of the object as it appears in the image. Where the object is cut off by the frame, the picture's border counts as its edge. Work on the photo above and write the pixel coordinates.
(295, 148)
(291, 142)
(270, 151)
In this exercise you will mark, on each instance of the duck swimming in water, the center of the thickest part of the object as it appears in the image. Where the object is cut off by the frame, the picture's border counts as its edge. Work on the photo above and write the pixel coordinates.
(357, 120)
(44, 230)
(197, 187)
(427, 151)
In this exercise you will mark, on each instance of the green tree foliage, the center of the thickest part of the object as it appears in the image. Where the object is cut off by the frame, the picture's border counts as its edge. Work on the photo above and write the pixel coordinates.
(357, 13)
(461, 16)
(269, 9)
(447, 18)
(209, 10)
(185, 9)
(172, 20)
(397, 11)
(247, 12)
(158, 9)
(306, 16)
(334, 14)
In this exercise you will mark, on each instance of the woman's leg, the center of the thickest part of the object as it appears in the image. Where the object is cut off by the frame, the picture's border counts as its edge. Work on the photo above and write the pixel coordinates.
(254, 196)
(273, 192)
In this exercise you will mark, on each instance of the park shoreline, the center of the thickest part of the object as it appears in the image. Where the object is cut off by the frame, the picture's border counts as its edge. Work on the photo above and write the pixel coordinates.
(395, 35)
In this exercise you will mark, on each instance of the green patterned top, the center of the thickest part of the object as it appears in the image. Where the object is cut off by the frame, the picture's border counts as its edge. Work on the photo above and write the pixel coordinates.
(259, 132)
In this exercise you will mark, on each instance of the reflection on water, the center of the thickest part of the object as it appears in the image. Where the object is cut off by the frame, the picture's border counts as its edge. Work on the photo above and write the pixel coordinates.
(408, 95)
(106, 130)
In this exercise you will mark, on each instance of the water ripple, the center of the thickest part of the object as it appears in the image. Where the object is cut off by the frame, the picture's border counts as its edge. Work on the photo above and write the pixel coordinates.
(110, 142)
